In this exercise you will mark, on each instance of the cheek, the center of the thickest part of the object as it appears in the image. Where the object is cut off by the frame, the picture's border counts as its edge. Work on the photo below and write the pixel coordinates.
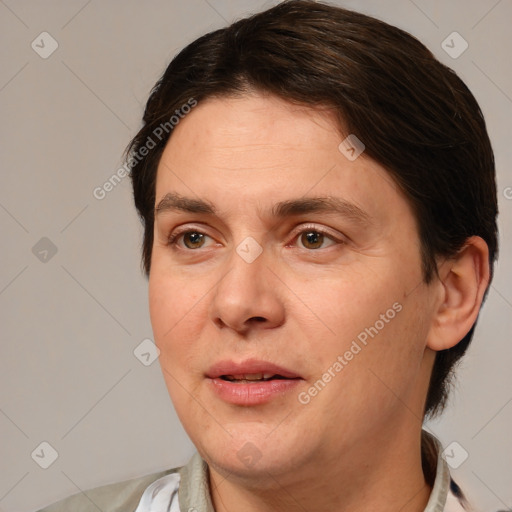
(368, 314)
(176, 321)
(350, 301)
(175, 318)
(171, 300)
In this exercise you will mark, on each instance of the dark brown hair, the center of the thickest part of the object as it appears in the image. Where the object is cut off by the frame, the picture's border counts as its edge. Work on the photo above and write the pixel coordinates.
(415, 116)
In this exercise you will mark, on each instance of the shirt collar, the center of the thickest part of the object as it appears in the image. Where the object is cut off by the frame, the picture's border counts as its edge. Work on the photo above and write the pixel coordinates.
(435, 465)
(194, 490)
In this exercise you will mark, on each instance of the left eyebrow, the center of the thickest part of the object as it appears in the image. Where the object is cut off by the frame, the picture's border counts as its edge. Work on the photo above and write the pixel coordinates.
(283, 209)
(328, 204)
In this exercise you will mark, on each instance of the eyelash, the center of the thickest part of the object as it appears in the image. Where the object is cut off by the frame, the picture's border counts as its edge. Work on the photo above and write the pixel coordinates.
(174, 237)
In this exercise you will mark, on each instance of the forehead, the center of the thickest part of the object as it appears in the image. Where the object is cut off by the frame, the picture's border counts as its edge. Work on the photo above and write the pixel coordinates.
(256, 148)
(227, 130)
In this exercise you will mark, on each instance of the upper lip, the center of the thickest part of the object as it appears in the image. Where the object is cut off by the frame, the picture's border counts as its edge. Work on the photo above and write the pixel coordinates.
(249, 366)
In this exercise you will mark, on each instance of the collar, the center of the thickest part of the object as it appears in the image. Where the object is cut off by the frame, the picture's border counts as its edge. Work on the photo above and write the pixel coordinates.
(194, 492)
(436, 472)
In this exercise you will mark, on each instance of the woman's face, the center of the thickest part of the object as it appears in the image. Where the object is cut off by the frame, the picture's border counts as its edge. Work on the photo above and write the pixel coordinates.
(286, 290)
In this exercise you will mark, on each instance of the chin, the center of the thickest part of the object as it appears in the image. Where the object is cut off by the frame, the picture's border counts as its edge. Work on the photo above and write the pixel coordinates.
(251, 454)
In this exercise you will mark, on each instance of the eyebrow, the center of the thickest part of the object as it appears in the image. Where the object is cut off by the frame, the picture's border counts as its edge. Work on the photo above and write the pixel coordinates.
(329, 205)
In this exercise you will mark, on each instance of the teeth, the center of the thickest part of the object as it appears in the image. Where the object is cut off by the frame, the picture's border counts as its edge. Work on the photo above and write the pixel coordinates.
(250, 376)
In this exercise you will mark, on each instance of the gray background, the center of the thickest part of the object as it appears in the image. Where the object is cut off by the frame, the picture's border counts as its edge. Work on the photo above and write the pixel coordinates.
(70, 321)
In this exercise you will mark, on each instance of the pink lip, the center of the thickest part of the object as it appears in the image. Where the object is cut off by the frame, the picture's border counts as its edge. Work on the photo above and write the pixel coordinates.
(253, 393)
(248, 366)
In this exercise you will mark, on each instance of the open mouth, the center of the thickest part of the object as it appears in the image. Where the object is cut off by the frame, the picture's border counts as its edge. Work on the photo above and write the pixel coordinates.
(251, 377)
(251, 382)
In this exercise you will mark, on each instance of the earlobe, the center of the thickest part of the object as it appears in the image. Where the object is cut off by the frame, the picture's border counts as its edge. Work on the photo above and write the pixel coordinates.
(463, 282)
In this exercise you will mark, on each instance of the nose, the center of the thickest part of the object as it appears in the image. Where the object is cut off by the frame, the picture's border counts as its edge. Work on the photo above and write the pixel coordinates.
(248, 296)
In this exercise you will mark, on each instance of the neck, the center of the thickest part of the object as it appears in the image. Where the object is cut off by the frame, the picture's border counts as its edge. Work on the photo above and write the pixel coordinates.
(388, 479)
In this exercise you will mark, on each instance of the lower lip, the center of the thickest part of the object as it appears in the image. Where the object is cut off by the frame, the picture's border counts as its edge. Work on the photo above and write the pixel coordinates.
(254, 393)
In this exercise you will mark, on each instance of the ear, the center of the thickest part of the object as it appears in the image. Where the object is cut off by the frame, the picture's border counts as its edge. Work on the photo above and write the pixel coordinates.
(463, 281)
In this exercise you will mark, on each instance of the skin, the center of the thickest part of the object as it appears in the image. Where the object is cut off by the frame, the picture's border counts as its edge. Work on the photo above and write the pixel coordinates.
(356, 444)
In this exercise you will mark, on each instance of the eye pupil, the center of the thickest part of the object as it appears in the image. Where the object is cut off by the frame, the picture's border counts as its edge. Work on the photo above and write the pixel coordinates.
(312, 239)
(196, 239)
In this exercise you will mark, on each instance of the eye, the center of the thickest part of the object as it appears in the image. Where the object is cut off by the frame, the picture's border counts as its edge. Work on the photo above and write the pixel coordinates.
(192, 239)
(310, 238)
(314, 238)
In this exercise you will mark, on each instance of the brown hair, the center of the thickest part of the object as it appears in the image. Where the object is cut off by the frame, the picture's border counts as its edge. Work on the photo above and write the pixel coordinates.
(415, 116)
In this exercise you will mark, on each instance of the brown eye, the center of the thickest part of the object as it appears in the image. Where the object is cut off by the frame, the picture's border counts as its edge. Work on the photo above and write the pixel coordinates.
(312, 239)
(193, 239)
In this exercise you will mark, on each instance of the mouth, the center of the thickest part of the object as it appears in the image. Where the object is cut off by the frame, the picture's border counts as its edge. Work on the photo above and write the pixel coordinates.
(252, 377)
(251, 382)
(249, 370)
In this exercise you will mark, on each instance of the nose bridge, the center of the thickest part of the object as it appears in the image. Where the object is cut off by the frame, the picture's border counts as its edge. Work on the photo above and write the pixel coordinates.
(246, 294)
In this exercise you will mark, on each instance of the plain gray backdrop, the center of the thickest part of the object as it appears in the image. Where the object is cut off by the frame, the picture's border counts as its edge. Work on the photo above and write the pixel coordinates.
(73, 301)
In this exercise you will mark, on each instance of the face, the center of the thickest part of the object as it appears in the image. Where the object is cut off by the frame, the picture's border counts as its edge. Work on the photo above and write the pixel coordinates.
(286, 292)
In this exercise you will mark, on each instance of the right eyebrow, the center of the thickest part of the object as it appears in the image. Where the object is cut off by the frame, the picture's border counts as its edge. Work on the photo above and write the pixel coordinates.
(175, 202)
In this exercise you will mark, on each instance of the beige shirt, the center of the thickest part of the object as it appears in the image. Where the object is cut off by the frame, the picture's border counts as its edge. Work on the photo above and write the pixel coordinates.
(186, 489)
